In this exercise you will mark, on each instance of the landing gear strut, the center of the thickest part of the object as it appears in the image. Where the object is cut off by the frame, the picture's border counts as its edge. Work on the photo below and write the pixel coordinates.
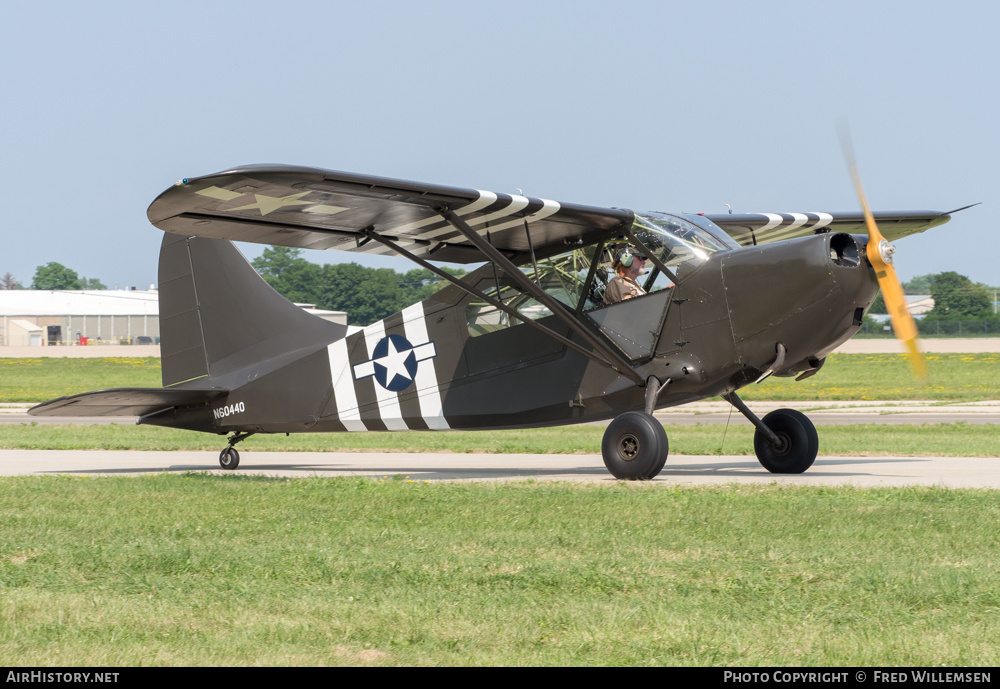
(785, 441)
(229, 458)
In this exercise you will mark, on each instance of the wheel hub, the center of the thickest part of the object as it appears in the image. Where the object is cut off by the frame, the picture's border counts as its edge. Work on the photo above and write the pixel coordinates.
(783, 445)
(628, 447)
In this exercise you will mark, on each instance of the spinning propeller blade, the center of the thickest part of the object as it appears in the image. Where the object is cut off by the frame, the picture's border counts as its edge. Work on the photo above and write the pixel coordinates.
(880, 253)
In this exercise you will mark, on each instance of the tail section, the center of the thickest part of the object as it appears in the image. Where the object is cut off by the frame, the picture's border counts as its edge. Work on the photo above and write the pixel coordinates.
(221, 324)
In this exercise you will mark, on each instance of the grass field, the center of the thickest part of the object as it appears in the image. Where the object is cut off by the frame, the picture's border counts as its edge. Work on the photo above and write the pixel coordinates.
(953, 377)
(241, 570)
(952, 439)
(203, 570)
(42, 379)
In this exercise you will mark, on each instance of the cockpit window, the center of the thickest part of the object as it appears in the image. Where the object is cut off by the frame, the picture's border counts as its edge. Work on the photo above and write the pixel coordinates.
(562, 277)
(578, 277)
(679, 243)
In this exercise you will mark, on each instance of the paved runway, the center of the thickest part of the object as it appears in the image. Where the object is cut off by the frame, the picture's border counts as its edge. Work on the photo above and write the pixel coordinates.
(952, 472)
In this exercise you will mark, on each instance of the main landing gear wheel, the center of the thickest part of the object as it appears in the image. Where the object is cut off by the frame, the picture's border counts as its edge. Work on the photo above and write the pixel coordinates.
(799, 442)
(229, 458)
(635, 447)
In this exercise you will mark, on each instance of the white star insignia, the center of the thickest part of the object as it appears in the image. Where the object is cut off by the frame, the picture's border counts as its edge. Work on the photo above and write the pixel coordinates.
(394, 363)
(269, 204)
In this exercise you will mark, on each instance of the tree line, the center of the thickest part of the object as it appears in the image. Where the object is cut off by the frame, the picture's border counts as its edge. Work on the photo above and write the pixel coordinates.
(961, 306)
(53, 276)
(955, 296)
(366, 294)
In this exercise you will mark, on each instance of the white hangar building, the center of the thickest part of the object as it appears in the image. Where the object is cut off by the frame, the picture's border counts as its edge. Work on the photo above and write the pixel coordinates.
(64, 317)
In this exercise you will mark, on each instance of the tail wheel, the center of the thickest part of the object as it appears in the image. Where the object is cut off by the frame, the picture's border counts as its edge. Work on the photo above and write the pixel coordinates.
(229, 458)
(635, 447)
(798, 447)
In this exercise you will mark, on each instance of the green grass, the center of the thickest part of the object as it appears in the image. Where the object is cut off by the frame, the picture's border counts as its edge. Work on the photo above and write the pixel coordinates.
(947, 439)
(204, 570)
(241, 570)
(953, 377)
(42, 379)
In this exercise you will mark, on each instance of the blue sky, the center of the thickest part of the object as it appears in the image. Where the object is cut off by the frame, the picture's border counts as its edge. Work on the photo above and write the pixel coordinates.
(642, 105)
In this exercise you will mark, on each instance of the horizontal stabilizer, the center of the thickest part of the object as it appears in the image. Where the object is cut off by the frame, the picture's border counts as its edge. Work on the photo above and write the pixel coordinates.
(125, 402)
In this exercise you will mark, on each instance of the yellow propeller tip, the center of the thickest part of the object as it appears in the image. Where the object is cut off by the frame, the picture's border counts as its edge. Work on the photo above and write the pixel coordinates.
(917, 361)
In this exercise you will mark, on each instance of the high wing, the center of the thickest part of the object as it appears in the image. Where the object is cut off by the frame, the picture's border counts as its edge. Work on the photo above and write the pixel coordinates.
(760, 228)
(323, 209)
(126, 402)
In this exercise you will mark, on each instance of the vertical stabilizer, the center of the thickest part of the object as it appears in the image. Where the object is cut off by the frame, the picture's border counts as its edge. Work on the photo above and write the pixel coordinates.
(220, 320)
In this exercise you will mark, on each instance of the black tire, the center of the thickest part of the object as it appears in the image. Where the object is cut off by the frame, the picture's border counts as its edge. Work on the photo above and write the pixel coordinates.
(229, 458)
(635, 447)
(799, 442)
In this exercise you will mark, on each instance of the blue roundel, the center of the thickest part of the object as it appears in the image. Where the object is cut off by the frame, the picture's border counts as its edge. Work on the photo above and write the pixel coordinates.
(395, 363)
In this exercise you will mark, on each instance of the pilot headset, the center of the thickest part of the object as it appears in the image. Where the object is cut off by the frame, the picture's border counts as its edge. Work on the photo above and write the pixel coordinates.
(626, 257)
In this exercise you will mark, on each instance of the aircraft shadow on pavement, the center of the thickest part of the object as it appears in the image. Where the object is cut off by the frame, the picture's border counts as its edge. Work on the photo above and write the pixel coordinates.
(736, 469)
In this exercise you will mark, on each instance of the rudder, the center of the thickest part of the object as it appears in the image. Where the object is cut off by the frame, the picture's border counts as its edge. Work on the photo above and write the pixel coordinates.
(218, 317)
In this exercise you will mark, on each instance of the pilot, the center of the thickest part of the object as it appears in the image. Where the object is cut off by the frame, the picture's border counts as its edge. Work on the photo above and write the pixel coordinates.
(628, 264)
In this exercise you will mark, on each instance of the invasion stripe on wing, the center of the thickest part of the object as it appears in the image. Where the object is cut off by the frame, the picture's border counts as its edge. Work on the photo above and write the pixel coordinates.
(516, 204)
(485, 199)
(780, 227)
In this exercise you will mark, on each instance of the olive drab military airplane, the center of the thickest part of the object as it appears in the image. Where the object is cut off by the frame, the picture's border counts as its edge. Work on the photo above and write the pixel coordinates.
(525, 339)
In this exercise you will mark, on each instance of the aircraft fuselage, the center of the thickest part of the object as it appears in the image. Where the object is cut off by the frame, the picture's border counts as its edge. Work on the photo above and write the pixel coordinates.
(426, 367)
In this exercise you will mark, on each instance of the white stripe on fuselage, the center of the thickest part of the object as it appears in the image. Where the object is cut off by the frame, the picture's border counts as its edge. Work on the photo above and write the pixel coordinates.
(388, 401)
(343, 386)
(426, 382)
(389, 410)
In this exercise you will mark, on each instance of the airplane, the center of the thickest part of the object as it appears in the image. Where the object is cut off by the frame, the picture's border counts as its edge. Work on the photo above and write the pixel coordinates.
(524, 340)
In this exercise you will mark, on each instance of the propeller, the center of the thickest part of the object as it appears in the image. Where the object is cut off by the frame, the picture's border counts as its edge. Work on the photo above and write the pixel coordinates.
(880, 253)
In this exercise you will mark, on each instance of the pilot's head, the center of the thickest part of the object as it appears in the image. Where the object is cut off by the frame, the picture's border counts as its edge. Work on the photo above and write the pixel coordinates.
(629, 262)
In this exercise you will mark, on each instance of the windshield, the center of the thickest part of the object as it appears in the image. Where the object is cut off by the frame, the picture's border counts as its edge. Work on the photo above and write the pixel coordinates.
(680, 244)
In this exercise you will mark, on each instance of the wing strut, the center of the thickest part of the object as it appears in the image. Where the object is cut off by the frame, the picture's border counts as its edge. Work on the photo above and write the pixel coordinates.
(370, 233)
(531, 248)
(611, 358)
